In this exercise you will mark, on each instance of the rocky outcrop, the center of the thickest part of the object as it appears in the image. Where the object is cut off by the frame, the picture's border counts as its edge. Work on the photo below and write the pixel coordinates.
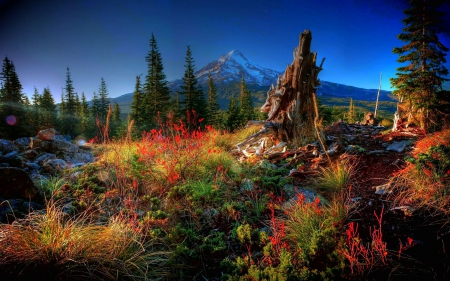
(32, 158)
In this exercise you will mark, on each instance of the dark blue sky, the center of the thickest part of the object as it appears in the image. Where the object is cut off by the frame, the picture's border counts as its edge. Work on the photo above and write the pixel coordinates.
(110, 39)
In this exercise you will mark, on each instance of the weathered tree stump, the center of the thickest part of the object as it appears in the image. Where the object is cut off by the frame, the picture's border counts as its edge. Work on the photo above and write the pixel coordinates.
(291, 104)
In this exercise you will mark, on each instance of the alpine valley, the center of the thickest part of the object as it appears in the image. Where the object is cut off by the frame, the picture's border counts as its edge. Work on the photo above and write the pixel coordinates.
(229, 69)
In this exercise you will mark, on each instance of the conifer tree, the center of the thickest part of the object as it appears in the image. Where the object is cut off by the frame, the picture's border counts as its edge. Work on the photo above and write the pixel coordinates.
(156, 91)
(86, 121)
(103, 102)
(96, 106)
(35, 113)
(115, 120)
(351, 114)
(48, 114)
(422, 76)
(194, 99)
(213, 108)
(246, 108)
(137, 107)
(233, 119)
(70, 121)
(11, 103)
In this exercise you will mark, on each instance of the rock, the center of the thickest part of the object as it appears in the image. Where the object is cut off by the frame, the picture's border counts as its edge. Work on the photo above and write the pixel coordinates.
(47, 134)
(247, 185)
(54, 166)
(407, 210)
(14, 159)
(17, 208)
(46, 146)
(16, 183)
(64, 146)
(44, 157)
(35, 143)
(6, 146)
(375, 152)
(23, 142)
(32, 166)
(369, 119)
(309, 196)
(383, 189)
(59, 137)
(398, 146)
(30, 154)
(4, 165)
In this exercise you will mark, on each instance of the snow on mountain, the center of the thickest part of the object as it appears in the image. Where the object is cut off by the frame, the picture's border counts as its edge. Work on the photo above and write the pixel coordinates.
(233, 66)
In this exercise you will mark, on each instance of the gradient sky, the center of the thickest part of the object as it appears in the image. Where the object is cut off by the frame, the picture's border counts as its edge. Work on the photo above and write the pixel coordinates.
(110, 39)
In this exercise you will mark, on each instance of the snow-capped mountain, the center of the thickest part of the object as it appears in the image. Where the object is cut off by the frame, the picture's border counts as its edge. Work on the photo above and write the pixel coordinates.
(233, 66)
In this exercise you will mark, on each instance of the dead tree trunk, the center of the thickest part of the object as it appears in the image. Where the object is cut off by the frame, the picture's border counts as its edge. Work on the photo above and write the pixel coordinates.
(290, 104)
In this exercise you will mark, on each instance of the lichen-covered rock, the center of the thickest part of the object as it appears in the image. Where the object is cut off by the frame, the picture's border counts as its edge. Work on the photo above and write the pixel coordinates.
(44, 157)
(30, 154)
(35, 143)
(16, 183)
(6, 146)
(47, 134)
(22, 142)
(53, 166)
(64, 146)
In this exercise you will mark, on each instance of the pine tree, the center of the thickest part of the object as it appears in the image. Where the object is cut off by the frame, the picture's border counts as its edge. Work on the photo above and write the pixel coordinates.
(103, 101)
(137, 107)
(157, 93)
(351, 114)
(213, 108)
(48, 110)
(35, 113)
(246, 108)
(11, 103)
(71, 120)
(194, 99)
(86, 121)
(96, 106)
(115, 120)
(422, 77)
(233, 119)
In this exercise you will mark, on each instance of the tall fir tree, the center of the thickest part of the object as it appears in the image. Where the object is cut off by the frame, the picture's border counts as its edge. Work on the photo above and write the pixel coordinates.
(351, 114)
(194, 99)
(11, 103)
(233, 119)
(96, 106)
(71, 120)
(137, 107)
(213, 107)
(116, 122)
(156, 91)
(103, 101)
(246, 108)
(86, 121)
(423, 56)
(48, 114)
(35, 113)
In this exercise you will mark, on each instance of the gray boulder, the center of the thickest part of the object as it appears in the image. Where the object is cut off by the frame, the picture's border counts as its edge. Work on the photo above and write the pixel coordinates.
(398, 146)
(22, 142)
(16, 183)
(6, 146)
(44, 157)
(64, 146)
(53, 166)
(47, 134)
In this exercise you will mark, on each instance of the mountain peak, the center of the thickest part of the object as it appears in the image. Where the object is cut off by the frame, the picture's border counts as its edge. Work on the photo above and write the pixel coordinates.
(232, 66)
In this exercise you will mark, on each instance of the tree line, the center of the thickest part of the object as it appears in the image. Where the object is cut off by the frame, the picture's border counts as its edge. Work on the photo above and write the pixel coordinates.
(152, 104)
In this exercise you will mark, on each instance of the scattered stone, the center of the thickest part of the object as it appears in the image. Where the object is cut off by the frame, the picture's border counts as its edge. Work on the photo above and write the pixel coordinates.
(54, 166)
(309, 196)
(375, 152)
(407, 210)
(44, 157)
(16, 183)
(383, 189)
(35, 143)
(247, 185)
(398, 146)
(64, 146)
(30, 154)
(6, 146)
(369, 119)
(23, 142)
(47, 134)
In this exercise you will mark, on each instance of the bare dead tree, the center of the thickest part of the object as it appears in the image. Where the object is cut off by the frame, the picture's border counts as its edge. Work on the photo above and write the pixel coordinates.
(290, 105)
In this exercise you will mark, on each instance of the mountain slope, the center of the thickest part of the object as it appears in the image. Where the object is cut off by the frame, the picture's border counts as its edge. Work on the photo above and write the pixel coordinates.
(229, 69)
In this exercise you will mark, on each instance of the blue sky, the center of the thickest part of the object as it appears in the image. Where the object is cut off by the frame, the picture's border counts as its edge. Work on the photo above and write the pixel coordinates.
(110, 39)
